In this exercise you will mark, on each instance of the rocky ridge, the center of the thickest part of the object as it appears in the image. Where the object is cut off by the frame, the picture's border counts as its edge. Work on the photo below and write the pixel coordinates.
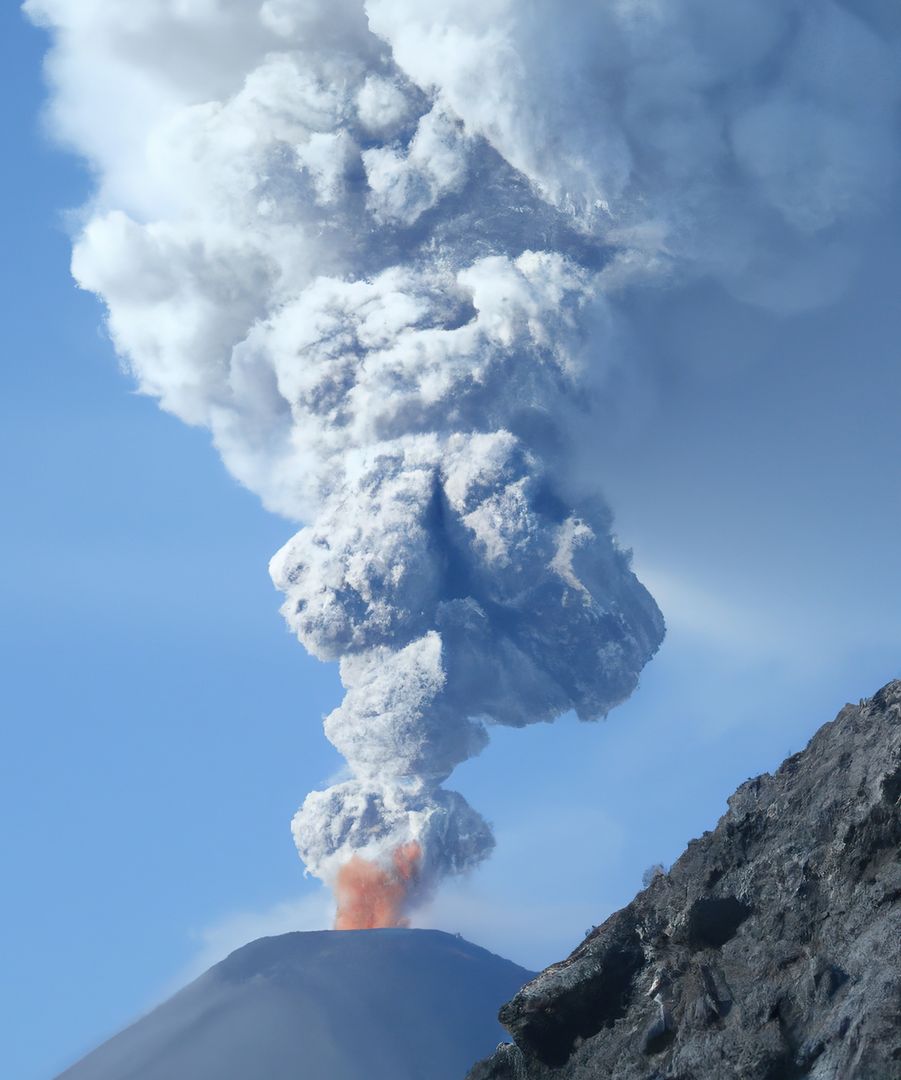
(770, 951)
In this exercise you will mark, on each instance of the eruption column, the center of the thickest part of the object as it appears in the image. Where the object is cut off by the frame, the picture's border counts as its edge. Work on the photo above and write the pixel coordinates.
(370, 896)
(378, 249)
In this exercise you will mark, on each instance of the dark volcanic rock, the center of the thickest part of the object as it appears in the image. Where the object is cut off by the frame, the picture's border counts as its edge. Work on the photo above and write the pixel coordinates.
(770, 951)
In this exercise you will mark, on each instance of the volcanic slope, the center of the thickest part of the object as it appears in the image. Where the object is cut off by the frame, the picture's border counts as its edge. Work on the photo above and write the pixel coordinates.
(326, 1005)
(770, 951)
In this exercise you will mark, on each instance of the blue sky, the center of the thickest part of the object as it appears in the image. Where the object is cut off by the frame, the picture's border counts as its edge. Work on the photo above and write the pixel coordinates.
(161, 726)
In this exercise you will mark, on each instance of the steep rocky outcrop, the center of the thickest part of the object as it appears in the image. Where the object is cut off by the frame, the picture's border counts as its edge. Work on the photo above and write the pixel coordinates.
(770, 951)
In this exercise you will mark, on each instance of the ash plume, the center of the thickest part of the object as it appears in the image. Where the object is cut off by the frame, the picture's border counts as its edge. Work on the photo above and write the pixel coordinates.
(379, 250)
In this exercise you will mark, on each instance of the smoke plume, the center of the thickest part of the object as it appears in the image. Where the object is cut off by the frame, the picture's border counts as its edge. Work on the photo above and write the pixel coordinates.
(378, 250)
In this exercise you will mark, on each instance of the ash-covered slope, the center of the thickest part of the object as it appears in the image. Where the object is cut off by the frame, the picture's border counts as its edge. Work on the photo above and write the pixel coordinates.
(770, 951)
(328, 1005)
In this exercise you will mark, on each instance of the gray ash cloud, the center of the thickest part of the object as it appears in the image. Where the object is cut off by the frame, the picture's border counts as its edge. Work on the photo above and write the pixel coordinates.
(377, 250)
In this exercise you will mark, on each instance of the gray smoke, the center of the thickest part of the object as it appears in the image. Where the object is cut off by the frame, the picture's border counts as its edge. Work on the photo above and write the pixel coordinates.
(377, 250)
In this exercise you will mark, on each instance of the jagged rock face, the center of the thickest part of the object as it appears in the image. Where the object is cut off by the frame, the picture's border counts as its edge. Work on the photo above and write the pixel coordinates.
(770, 951)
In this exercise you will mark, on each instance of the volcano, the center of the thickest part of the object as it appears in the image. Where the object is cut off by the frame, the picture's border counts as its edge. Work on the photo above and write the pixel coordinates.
(326, 1005)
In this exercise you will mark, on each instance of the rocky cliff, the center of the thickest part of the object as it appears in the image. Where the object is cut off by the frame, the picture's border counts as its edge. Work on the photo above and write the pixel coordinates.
(770, 951)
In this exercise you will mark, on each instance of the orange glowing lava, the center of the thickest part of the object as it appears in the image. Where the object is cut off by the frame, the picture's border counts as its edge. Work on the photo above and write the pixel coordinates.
(370, 895)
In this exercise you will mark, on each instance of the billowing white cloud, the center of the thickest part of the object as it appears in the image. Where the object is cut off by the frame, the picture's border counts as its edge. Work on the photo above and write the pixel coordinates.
(700, 136)
(376, 248)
